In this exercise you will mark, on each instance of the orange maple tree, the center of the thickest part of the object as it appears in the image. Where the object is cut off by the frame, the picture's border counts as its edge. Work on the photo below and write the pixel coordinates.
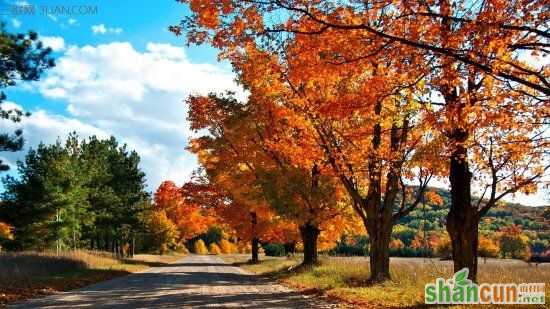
(241, 153)
(191, 219)
(460, 68)
(224, 155)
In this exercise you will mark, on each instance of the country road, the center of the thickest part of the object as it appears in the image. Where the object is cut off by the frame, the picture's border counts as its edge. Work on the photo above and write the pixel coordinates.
(196, 281)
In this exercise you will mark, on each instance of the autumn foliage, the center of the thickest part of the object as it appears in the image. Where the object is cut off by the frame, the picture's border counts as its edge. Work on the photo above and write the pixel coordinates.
(488, 247)
(227, 247)
(190, 219)
(357, 102)
(199, 247)
(5, 231)
(214, 249)
(513, 243)
(163, 231)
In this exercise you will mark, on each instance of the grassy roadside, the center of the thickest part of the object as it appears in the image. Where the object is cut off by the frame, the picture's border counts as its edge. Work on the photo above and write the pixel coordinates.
(344, 278)
(32, 274)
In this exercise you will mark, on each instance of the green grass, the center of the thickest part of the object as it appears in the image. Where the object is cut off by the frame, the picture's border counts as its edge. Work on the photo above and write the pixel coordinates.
(346, 278)
(31, 274)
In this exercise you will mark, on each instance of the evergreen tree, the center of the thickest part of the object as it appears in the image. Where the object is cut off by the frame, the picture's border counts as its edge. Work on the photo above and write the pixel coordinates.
(86, 193)
(24, 58)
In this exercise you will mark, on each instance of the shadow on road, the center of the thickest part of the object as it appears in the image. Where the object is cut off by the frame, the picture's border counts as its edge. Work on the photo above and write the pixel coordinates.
(196, 265)
(189, 285)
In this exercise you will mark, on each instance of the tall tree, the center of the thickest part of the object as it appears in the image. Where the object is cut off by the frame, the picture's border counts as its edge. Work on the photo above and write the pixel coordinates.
(302, 196)
(47, 205)
(23, 58)
(80, 194)
(230, 160)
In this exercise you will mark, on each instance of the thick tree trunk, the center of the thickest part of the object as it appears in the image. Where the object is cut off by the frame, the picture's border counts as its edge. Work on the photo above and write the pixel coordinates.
(379, 253)
(255, 249)
(462, 221)
(310, 233)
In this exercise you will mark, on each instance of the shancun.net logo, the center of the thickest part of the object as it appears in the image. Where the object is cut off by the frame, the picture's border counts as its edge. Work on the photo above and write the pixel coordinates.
(460, 290)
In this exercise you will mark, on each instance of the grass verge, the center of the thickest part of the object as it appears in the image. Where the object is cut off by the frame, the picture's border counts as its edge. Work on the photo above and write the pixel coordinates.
(32, 274)
(344, 279)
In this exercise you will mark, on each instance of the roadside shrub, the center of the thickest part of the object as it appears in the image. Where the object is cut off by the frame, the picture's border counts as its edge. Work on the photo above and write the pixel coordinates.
(227, 247)
(180, 248)
(215, 249)
(244, 247)
(199, 247)
(274, 249)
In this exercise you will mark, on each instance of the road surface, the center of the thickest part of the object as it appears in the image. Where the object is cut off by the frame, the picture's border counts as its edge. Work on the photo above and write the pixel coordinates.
(196, 281)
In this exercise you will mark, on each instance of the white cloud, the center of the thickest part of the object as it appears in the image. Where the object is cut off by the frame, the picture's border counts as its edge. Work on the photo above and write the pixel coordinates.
(56, 43)
(72, 22)
(137, 96)
(101, 29)
(16, 23)
(42, 126)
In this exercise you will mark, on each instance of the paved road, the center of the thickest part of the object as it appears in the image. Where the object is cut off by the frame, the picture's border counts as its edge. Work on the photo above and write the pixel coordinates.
(196, 281)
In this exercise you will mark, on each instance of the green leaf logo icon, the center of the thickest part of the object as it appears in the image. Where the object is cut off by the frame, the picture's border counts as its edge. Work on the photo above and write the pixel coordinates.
(460, 277)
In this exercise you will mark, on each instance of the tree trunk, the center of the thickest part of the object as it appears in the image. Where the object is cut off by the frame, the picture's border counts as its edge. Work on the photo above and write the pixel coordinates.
(290, 247)
(133, 251)
(309, 233)
(462, 221)
(379, 253)
(255, 249)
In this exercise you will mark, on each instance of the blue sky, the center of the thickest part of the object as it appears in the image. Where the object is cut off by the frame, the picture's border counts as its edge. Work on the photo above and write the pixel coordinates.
(119, 72)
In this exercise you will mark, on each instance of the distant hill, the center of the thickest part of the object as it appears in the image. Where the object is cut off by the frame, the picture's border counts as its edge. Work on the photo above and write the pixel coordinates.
(534, 219)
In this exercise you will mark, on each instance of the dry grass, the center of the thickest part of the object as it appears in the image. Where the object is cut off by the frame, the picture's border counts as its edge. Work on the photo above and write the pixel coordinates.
(345, 278)
(29, 274)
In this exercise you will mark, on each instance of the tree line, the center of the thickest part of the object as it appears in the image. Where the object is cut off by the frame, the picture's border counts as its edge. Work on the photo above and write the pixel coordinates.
(84, 193)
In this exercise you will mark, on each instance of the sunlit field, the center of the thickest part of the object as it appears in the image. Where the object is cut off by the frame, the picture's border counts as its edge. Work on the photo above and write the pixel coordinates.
(345, 278)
